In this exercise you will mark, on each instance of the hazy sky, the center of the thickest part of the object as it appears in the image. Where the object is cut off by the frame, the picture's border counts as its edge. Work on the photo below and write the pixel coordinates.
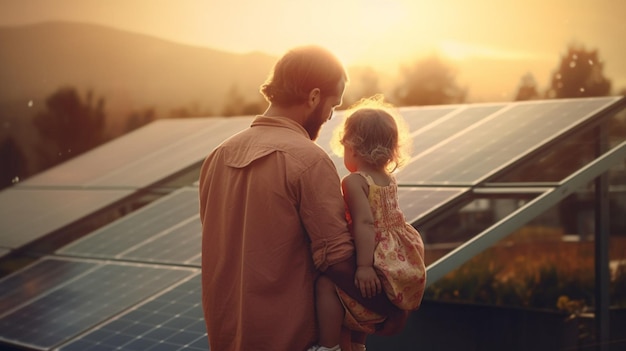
(529, 35)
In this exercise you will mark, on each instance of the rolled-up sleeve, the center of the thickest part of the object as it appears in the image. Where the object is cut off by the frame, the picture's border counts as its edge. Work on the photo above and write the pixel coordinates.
(322, 212)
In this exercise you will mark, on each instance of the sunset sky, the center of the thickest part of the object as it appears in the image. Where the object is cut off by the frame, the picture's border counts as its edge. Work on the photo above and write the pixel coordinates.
(487, 40)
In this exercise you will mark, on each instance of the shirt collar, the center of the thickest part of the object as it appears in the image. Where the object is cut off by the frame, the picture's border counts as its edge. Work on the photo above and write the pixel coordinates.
(283, 122)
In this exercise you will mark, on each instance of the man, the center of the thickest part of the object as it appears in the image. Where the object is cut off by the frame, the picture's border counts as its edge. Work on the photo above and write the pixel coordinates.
(273, 215)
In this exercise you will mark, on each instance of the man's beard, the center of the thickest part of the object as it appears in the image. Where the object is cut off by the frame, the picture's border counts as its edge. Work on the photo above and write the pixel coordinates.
(314, 122)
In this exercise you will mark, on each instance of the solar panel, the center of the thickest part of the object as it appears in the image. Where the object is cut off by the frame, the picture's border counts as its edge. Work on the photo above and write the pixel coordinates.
(73, 306)
(419, 202)
(34, 280)
(171, 321)
(142, 233)
(145, 156)
(416, 119)
(28, 214)
(453, 123)
(177, 245)
(188, 150)
(119, 152)
(482, 149)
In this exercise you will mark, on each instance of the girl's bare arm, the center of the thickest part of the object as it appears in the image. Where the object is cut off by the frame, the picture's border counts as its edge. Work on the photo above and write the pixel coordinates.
(356, 190)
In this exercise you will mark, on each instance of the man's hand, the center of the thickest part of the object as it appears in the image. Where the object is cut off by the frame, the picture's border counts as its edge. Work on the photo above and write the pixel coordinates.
(367, 281)
(342, 273)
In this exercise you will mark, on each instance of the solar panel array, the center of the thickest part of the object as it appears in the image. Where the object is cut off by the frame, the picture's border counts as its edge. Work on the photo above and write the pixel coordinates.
(134, 284)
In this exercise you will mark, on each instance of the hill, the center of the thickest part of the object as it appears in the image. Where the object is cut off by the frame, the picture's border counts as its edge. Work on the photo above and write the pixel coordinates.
(131, 71)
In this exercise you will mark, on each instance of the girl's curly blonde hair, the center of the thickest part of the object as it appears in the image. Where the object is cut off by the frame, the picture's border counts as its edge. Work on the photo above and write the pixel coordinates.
(376, 132)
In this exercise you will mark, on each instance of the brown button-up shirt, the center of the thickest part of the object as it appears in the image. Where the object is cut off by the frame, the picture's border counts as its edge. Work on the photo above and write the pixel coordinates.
(272, 212)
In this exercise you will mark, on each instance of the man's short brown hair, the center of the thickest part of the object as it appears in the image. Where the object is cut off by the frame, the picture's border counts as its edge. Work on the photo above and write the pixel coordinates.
(301, 70)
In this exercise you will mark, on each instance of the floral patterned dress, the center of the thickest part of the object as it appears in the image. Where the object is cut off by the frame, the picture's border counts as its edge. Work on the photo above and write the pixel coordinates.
(398, 259)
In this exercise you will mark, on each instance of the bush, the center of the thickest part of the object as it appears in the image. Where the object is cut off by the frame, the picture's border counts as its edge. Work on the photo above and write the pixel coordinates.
(529, 275)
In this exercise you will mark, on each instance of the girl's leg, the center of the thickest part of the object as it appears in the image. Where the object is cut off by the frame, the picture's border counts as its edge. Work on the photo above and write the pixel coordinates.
(346, 339)
(330, 312)
(358, 341)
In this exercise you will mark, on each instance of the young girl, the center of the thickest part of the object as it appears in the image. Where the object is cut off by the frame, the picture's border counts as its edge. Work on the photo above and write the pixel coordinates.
(390, 252)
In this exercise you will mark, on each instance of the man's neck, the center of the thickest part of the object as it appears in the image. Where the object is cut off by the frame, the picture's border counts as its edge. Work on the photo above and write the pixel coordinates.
(296, 112)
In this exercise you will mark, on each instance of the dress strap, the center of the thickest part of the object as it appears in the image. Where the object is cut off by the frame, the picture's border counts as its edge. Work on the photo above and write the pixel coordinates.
(367, 177)
(393, 179)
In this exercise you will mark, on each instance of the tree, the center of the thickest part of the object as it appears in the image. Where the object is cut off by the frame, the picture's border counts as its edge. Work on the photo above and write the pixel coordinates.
(140, 118)
(430, 81)
(69, 125)
(527, 89)
(364, 83)
(233, 102)
(579, 74)
(12, 162)
(253, 108)
(236, 105)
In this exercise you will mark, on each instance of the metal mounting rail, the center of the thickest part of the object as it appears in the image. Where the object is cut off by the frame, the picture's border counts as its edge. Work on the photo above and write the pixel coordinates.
(524, 214)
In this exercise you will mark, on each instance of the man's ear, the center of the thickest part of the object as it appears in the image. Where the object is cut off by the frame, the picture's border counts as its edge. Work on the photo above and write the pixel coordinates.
(314, 97)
